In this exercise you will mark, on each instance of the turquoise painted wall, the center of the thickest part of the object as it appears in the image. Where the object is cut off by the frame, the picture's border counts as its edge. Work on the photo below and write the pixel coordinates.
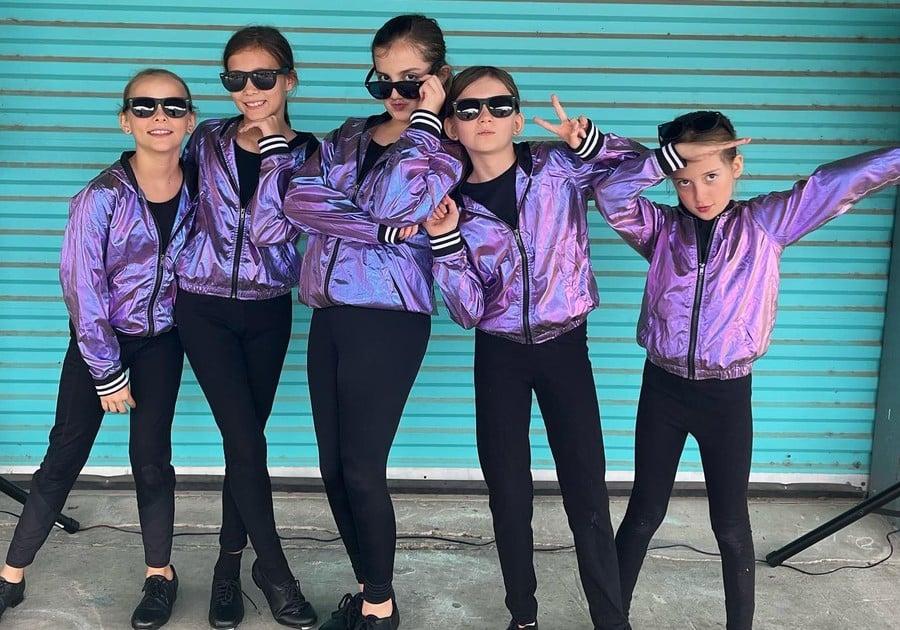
(810, 82)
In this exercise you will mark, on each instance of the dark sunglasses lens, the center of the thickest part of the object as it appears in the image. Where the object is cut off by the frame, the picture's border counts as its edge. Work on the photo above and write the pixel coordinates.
(501, 106)
(670, 130)
(175, 107)
(407, 89)
(263, 80)
(467, 109)
(380, 89)
(234, 81)
(705, 122)
(143, 107)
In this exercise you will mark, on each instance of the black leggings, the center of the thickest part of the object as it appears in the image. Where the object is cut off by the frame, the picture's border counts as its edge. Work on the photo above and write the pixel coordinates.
(362, 364)
(559, 373)
(718, 414)
(236, 349)
(154, 365)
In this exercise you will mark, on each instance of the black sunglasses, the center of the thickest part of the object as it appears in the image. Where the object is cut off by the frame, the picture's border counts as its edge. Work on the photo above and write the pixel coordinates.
(145, 106)
(235, 80)
(382, 89)
(698, 122)
(499, 106)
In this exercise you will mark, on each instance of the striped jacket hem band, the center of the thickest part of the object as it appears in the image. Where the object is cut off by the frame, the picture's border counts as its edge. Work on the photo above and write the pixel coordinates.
(424, 119)
(448, 243)
(591, 143)
(269, 145)
(111, 387)
(669, 159)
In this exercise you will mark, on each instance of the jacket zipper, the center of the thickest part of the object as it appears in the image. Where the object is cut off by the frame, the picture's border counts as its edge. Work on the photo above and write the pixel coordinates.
(241, 218)
(698, 292)
(159, 269)
(526, 278)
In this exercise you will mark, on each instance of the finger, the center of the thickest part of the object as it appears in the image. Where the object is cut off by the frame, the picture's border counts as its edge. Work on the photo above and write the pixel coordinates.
(130, 401)
(559, 108)
(543, 123)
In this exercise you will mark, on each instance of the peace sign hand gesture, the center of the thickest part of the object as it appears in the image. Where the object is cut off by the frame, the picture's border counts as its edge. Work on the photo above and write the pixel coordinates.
(572, 130)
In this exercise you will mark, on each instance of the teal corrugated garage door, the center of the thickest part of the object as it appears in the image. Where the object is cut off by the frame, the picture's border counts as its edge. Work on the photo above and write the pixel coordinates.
(809, 81)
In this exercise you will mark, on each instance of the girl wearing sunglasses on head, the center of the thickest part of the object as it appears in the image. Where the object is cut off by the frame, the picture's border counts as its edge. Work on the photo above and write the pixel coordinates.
(125, 230)
(511, 259)
(707, 314)
(372, 303)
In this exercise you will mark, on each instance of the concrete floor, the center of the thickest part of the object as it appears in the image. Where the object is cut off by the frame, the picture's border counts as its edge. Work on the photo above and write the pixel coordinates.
(92, 579)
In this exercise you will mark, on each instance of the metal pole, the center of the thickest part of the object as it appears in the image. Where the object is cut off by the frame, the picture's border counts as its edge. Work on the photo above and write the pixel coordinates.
(826, 529)
(12, 490)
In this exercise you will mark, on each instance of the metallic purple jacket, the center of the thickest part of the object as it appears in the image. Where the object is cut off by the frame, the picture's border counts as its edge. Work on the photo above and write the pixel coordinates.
(713, 320)
(534, 283)
(114, 277)
(219, 258)
(402, 188)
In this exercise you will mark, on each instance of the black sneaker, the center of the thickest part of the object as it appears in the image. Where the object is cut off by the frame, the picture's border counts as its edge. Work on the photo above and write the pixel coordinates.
(514, 626)
(371, 622)
(156, 606)
(348, 611)
(286, 601)
(11, 594)
(226, 603)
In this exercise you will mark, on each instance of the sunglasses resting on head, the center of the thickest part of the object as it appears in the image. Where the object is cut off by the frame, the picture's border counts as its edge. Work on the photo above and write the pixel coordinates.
(698, 122)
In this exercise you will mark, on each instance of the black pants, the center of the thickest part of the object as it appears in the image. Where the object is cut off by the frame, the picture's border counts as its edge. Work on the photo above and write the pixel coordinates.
(559, 373)
(155, 366)
(362, 364)
(718, 414)
(236, 349)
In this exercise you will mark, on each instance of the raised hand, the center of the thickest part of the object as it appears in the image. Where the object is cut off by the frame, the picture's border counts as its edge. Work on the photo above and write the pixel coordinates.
(268, 126)
(693, 151)
(431, 93)
(444, 219)
(572, 130)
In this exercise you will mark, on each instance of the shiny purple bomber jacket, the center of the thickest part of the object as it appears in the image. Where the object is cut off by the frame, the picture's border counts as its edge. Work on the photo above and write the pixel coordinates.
(534, 283)
(114, 277)
(219, 258)
(713, 320)
(346, 261)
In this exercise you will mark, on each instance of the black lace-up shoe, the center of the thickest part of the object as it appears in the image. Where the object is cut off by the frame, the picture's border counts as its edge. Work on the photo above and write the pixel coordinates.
(156, 606)
(11, 594)
(371, 622)
(348, 611)
(288, 605)
(226, 603)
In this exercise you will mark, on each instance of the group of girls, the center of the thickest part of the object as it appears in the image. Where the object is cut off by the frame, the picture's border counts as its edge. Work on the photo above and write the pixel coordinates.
(200, 252)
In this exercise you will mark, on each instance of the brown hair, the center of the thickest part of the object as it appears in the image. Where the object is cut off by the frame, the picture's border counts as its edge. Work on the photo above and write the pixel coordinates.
(722, 132)
(470, 75)
(154, 72)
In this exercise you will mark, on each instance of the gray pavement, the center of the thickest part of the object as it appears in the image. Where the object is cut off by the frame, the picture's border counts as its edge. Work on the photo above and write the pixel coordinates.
(92, 579)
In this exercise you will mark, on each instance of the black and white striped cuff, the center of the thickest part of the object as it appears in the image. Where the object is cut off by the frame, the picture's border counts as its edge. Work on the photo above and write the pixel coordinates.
(388, 234)
(591, 143)
(425, 120)
(271, 145)
(668, 158)
(112, 384)
(446, 244)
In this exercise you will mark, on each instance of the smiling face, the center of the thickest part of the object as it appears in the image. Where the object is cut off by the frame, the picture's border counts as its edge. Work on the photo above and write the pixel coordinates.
(400, 61)
(705, 186)
(486, 134)
(159, 132)
(253, 103)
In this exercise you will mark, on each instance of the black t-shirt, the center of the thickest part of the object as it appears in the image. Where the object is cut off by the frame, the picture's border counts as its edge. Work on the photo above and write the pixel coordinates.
(373, 152)
(248, 168)
(497, 195)
(164, 212)
(704, 234)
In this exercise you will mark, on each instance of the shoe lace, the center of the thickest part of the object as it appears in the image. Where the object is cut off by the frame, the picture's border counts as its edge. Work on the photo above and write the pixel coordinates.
(156, 588)
(295, 600)
(225, 591)
(348, 610)
(369, 622)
